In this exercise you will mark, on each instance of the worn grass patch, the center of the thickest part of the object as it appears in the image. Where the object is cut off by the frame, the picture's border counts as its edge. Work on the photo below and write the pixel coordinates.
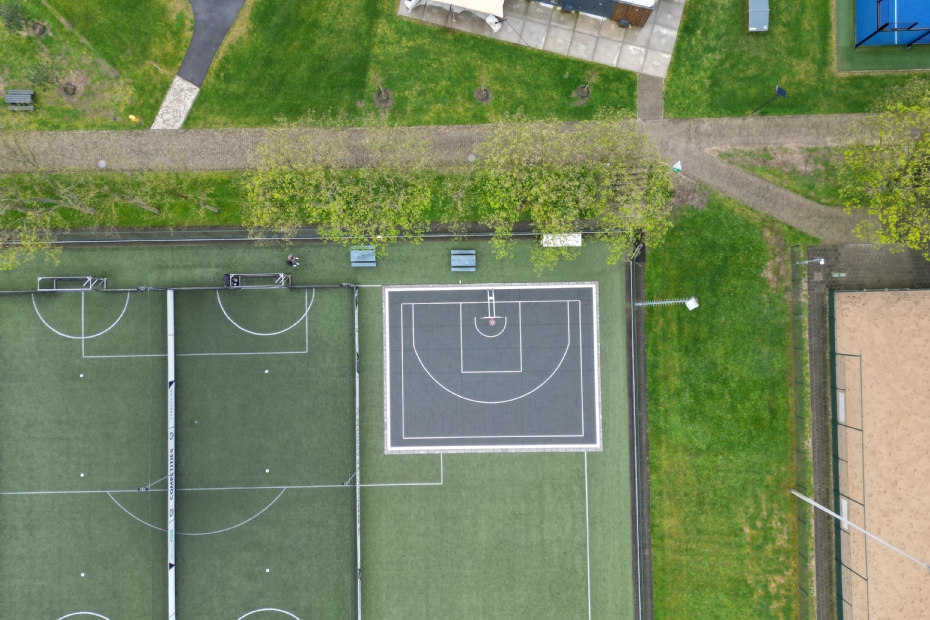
(720, 418)
(721, 69)
(107, 49)
(809, 172)
(296, 57)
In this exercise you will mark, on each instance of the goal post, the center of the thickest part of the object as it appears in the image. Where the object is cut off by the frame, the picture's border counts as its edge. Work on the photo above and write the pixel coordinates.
(71, 283)
(172, 462)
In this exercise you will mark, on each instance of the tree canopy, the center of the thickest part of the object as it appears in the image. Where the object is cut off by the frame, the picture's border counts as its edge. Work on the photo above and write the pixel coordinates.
(886, 169)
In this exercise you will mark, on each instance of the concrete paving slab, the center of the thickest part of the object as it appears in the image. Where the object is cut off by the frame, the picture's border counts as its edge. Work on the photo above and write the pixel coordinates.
(650, 98)
(510, 31)
(481, 28)
(539, 12)
(638, 36)
(606, 52)
(558, 40)
(515, 7)
(668, 13)
(663, 39)
(463, 21)
(535, 34)
(588, 24)
(631, 58)
(177, 104)
(563, 19)
(656, 63)
(436, 15)
(612, 30)
(582, 46)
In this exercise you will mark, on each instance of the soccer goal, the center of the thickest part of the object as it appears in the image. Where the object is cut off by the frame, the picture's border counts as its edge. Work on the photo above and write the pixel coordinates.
(71, 283)
(256, 280)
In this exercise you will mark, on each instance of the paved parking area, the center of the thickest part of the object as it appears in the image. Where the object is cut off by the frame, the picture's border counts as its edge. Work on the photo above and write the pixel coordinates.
(542, 26)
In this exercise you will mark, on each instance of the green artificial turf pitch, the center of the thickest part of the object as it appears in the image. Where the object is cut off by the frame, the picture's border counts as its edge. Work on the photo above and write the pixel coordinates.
(452, 536)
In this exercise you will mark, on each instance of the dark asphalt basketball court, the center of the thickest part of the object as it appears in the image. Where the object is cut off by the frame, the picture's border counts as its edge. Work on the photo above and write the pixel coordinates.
(492, 367)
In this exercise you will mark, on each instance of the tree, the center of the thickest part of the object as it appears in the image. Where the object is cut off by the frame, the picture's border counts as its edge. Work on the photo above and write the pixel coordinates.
(602, 176)
(356, 187)
(886, 169)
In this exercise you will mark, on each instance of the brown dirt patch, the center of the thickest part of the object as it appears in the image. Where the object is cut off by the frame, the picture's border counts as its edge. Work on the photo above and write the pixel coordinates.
(79, 79)
(688, 192)
(785, 158)
(778, 269)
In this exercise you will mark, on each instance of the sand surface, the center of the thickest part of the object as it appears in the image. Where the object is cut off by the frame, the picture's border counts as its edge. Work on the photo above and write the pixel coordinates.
(888, 461)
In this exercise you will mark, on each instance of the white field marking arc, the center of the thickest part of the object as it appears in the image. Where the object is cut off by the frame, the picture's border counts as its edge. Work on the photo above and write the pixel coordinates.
(83, 613)
(462, 337)
(442, 448)
(277, 333)
(68, 336)
(280, 611)
(255, 516)
(495, 335)
(487, 402)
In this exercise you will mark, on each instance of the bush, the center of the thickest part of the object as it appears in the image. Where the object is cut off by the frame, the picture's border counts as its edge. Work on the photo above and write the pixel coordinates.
(13, 15)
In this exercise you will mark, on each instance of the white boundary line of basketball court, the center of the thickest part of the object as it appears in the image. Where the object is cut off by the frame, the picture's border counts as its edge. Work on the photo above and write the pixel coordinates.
(388, 288)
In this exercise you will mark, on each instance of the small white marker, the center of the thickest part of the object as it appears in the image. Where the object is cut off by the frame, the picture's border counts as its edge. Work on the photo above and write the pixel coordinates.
(195, 421)
(267, 570)
(82, 474)
(267, 471)
(82, 376)
(266, 372)
(82, 574)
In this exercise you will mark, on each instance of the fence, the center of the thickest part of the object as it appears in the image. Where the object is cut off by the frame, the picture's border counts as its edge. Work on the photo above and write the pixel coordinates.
(852, 567)
(804, 481)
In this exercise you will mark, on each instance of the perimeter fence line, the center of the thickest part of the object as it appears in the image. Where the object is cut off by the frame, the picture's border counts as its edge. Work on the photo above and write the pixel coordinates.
(358, 477)
(849, 493)
(803, 458)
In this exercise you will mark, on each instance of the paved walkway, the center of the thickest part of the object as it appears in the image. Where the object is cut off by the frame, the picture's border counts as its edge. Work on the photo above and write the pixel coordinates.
(693, 141)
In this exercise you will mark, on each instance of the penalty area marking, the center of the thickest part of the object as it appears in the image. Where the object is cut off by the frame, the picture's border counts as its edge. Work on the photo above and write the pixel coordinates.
(84, 613)
(280, 611)
(278, 333)
(82, 337)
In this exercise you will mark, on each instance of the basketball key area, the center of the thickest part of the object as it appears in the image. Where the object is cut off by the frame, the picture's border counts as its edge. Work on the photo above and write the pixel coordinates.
(263, 444)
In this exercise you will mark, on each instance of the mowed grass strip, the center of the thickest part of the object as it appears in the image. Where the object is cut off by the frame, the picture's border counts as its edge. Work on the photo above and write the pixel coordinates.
(724, 531)
(721, 69)
(283, 59)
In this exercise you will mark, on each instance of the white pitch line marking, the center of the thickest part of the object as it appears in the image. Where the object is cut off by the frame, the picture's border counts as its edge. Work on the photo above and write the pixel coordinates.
(82, 338)
(287, 329)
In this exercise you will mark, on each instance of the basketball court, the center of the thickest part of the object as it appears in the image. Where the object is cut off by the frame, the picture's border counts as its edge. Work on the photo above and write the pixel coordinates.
(491, 367)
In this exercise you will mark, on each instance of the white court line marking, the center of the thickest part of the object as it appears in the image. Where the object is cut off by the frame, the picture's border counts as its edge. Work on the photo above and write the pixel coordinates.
(182, 489)
(587, 531)
(413, 338)
(83, 613)
(82, 337)
(482, 333)
(280, 611)
(462, 339)
(278, 333)
(413, 484)
(255, 516)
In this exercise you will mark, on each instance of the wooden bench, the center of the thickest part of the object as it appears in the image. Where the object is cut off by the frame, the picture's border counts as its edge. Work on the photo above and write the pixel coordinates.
(463, 260)
(20, 100)
(363, 256)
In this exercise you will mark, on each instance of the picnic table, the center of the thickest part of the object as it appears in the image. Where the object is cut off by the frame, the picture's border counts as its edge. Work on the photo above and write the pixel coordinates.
(363, 256)
(20, 100)
(463, 260)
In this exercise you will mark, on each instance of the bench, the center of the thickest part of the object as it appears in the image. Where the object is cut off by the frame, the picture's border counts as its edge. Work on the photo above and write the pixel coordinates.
(363, 256)
(20, 100)
(463, 260)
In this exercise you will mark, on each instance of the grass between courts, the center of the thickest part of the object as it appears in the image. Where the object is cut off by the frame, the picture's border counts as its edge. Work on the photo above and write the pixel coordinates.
(504, 535)
(721, 69)
(724, 528)
(109, 49)
(285, 58)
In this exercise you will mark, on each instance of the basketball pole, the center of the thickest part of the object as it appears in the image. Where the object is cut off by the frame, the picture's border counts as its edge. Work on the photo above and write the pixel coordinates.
(849, 523)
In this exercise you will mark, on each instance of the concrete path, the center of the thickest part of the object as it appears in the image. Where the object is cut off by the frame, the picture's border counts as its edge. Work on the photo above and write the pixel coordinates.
(650, 98)
(212, 20)
(693, 141)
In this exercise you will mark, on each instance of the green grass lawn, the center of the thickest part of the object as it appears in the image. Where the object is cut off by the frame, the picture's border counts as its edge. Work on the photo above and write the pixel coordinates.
(724, 530)
(320, 57)
(818, 180)
(109, 49)
(721, 69)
